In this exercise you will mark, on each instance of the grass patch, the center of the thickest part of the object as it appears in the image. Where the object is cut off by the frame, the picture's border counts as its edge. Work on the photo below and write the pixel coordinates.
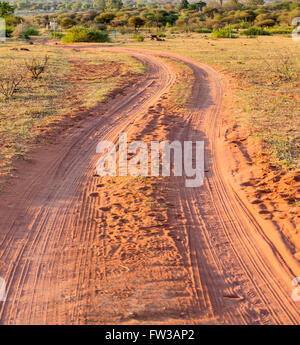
(223, 33)
(267, 74)
(139, 38)
(82, 34)
(37, 105)
(254, 31)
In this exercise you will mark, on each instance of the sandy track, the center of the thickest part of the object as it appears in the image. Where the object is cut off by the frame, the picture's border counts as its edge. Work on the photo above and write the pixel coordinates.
(46, 209)
(238, 275)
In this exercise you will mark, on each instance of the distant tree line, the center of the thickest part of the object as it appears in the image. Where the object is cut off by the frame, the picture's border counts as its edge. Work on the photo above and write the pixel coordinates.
(184, 15)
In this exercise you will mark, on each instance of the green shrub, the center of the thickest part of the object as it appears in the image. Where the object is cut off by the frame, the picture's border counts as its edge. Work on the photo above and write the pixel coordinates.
(280, 30)
(12, 20)
(67, 22)
(242, 25)
(82, 34)
(139, 38)
(101, 27)
(223, 33)
(19, 32)
(254, 31)
(58, 35)
(31, 32)
(125, 31)
(9, 31)
(203, 31)
(266, 22)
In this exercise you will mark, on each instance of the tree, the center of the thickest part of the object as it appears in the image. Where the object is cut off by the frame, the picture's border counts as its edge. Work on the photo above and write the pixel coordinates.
(159, 17)
(254, 3)
(200, 5)
(99, 5)
(185, 23)
(67, 22)
(89, 15)
(137, 22)
(244, 16)
(210, 11)
(105, 18)
(183, 4)
(233, 5)
(118, 22)
(114, 4)
(6, 9)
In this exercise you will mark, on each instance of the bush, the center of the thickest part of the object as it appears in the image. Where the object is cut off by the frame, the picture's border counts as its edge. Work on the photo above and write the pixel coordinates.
(105, 17)
(203, 31)
(266, 22)
(223, 33)
(12, 76)
(254, 31)
(139, 38)
(242, 25)
(58, 35)
(36, 66)
(137, 22)
(9, 31)
(125, 31)
(13, 21)
(101, 27)
(19, 31)
(67, 22)
(280, 30)
(31, 32)
(82, 34)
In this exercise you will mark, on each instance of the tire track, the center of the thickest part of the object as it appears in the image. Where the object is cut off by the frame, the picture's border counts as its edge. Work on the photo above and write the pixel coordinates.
(46, 237)
(34, 293)
(265, 298)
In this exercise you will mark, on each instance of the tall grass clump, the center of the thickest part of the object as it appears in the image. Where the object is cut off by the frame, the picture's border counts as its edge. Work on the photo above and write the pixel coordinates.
(82, 34)
(223, 33)
(31, 32)
(280, 30)
(139, 38)
(254, 31)
(203, 31)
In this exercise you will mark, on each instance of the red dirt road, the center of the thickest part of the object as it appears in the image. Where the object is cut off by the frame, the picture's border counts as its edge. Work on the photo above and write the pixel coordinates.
(239, 269)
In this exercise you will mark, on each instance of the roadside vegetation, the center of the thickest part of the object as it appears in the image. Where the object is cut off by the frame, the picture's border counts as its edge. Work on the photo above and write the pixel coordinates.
(265, 74)
(39, 86)
(165, 18)
(249, 40)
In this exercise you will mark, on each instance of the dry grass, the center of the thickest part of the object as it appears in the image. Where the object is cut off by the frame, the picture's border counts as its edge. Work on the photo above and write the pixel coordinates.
(182, 90)
(266, 70)
(267, 75)
(40, 102)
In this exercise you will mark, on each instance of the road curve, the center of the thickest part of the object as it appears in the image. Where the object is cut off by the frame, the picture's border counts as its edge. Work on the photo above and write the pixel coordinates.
(238, 275)
(38, 220)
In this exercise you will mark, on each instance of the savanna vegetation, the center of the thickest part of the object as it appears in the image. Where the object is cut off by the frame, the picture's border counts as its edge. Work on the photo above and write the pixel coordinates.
(223, 18)
(221, 33)
(42, 86)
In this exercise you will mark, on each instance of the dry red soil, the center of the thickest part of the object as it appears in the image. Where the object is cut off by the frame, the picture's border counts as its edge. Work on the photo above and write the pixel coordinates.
(76, 248)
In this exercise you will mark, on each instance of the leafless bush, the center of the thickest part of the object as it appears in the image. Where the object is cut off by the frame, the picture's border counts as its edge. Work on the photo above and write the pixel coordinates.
(36, 66)
(285, 67)
(282, 66)
(12, 75)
